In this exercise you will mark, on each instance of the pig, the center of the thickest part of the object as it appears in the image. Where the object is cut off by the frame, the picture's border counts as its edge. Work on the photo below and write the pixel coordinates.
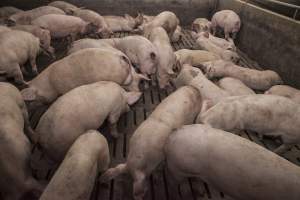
(61, 26)
(167, 20)
(4, 29)
(234, 87)
(177, 35)
(206, 44)
(147, 18)
(168, 65)
(12, 55)
(75, 177)
(126, 23)
(231, 164)
(65, 6)
(195, 57)
(96, 19)
(228, 20)
(28, 16)
(270, 115)
(60, 126)
(141, 52)
(186, 75)
(201, 25)
(42, 34)
(147, 143)
(7, 11)
(16, 179)
(286, 91)
(80, 68)
(255, 79)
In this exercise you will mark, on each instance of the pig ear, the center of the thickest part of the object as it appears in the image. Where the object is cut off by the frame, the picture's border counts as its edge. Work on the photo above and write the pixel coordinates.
(29, 94)
(143, 77)
(132, 97)
(153, 55)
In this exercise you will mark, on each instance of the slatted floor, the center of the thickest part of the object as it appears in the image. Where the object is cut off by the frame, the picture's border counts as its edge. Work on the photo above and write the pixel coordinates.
(159, 187)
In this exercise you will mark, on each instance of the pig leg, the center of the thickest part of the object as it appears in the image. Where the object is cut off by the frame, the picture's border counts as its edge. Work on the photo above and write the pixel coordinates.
(32, 60)
(227, 33)
(234, 35)
(114, 130)
(139, 185)
(113, 120)
(28, 130)
(24, 70)
(18, 76)
(283, 148)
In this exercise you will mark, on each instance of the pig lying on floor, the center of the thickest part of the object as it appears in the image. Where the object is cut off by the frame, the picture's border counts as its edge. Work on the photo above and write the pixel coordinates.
(147, 142)
(232, 164)
(269, 115)
(126, 23)
(286, 91)
(59, 126)
(75, 177)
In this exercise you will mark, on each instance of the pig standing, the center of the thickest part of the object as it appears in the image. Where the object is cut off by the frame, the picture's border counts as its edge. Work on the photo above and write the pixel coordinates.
(231, 164)
(286, 91)
(65, 6)
(12, 55)
(206, 44)
(42, 34)
(16, 180)
(28, 16)
(228, 20)
(168, 65)
(201, 25)
(147, 142)
(195, 57)
(126, 23)
(61, 26)
(60, 126)
(141, 52)
(7, 11)
(265, 114)
(234, 87)
(96, 19)
(75, 177)
(167, 20)
(81, 68)
(255, 79)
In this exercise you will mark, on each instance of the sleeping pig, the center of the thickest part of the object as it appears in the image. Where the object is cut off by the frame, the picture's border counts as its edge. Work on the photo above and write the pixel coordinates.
(286, 91)
(234, 87)
(195, 57)
(255, 79)
(13, 57)
(80, 68)
(248, 171)
(270, 115)
(7, 11)
(75, 177)
(4, 29)
(16, 180)
(147, 143)
(126, 23)
(68, 8)
(60, 126)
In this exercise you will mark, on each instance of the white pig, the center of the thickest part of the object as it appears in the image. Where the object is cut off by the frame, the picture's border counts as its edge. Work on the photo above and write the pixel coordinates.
(16, 47)
(201, 25)
(234, 87)
(75, 177)
(286, 91)
(147, 142)
(141, 52)
(60, 126)
(4, 29)
(61, 26)
(265, 114)
(126, 23)
(255, 79)
(168, 65)
(95, 18)
(195, 57)
(42, 34)
(7, 11)
(206, 44)
(177, 35)
(228, 20)
(80, 68)
(236, 166)
(26, 17)
(16, 179)
(186, 75)
(65, 6)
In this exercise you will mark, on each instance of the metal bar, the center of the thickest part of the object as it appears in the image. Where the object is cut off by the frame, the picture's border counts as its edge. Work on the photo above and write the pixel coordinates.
(295, 14)
(281, 3)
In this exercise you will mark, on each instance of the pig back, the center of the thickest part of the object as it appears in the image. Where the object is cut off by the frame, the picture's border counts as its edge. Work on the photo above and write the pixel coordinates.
(89, 66)
(244, 164)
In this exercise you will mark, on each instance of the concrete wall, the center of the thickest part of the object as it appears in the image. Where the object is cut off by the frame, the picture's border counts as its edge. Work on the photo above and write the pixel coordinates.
(187, 10)
(271, 39)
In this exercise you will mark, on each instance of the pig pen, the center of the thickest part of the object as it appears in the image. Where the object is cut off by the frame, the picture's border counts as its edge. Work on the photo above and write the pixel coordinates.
(277, 47)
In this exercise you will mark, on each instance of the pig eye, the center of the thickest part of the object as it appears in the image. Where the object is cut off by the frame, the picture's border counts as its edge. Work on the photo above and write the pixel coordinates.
(153, 55)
